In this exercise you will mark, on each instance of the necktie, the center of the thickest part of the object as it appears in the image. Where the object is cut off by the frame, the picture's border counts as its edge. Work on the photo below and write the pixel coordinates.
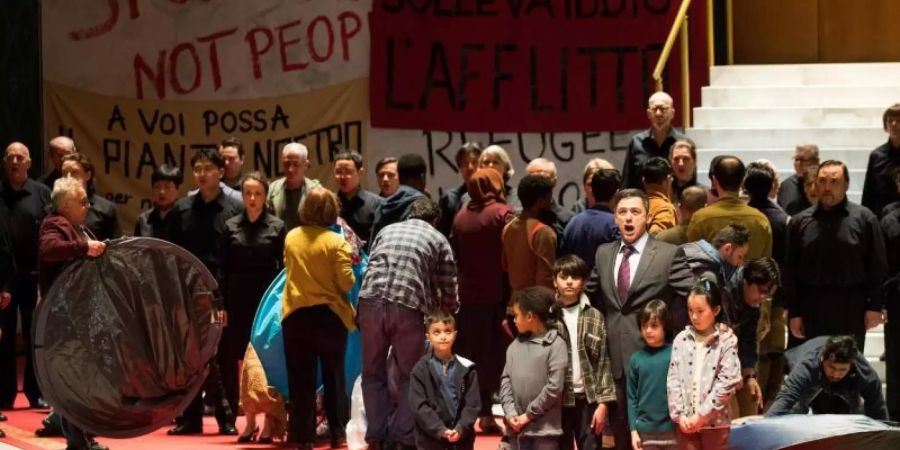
(624, 279)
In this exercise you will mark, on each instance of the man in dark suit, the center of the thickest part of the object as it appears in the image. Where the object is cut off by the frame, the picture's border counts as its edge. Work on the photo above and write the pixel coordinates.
(628, 274)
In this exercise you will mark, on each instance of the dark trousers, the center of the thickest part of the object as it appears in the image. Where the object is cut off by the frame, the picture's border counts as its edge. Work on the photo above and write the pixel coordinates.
(229, 360)
(385, 325)
(311, 334)
(24, 297)
(193, 415)
(892, 359)
(618, 417)
(76, 438)
(576, 425)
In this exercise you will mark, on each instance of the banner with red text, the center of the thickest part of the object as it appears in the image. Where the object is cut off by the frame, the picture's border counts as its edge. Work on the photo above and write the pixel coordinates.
(520, 65)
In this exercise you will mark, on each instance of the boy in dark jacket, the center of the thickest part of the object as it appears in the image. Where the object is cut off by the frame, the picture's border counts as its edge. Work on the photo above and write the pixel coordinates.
(443, 390)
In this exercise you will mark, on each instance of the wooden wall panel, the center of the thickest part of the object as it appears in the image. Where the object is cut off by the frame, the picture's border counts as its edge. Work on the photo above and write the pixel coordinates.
(859, 30)
(775, 31)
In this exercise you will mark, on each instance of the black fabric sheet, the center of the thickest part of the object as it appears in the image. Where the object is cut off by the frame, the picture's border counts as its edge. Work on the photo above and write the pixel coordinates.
(123, 341)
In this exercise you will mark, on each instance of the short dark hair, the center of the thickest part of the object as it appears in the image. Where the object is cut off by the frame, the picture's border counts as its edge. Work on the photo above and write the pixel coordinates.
(233, 142)
(708, 286)
(656, 170)
(259, 178)
(439, 316)
(605, 183)
(659, 311)
(466, 150)
(571, 265)
(210, 155)
(729, 171)
(424, 208)
(533, 188)
(892, 112)
(840, 349)
(758, 181)
(166, 172)
(383, 162)
(762, 272)
(632, 193)
(693, 198)
(350, 155)
(685, 143)
(831, 163)
(538, 300)
(736, 234)
(411, 167)
(82, 161)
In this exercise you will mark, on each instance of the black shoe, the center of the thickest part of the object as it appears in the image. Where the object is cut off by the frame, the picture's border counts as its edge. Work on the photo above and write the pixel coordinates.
(184, 430)
(2, 434)
(38, 404)
(97, 446)
(264, 440)
(48, 431)
(2, 418)
(228, 430)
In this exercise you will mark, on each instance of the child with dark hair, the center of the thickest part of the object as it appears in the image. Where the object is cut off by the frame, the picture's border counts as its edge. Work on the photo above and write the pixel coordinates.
(535, 372)
(648, 415)
(704, 374)
(589, 383)
(443, 390)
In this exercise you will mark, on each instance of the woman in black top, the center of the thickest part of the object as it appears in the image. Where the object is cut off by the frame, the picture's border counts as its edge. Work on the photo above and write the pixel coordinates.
(252, 255)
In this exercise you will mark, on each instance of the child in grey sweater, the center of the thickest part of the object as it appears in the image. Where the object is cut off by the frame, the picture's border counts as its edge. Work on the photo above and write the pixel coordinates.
(531, 386)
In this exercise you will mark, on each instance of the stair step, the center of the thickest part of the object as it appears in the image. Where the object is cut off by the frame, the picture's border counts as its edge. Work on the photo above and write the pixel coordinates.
(745, 138)
(835, 96)
(786, 117)
(804, 74)
(783, 157)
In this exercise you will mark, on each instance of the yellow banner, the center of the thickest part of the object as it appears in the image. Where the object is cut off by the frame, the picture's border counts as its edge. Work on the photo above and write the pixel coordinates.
(126, 138)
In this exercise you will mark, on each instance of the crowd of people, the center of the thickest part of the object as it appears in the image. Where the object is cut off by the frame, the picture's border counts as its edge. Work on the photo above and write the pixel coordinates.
(655, 309)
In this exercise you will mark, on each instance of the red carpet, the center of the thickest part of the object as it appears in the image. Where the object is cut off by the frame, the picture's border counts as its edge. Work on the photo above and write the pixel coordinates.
(22, 423)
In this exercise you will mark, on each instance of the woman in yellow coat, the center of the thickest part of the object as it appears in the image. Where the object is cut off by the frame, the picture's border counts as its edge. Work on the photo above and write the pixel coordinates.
(316, 317)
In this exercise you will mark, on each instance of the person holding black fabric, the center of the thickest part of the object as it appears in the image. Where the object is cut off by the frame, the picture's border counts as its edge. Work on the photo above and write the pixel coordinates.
(102, 218)
(199, 226)
(878, 189)
(26, 201)
(252, 249)
(64, 237)
(836, 265)
(467, 163)
(157, 222)
(655, 141)
(357, 204)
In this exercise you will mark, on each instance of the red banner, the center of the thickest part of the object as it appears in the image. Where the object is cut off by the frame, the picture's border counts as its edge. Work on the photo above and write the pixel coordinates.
(523, 65)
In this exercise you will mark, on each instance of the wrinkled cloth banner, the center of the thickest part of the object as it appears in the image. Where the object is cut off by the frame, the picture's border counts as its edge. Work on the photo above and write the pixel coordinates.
(522, 65)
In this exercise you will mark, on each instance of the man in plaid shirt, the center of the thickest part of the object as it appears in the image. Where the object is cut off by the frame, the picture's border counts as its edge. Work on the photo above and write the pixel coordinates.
(411, 272)
(589, 382)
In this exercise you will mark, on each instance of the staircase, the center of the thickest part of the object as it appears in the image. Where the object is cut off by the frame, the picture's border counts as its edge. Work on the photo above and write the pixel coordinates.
(764, 111)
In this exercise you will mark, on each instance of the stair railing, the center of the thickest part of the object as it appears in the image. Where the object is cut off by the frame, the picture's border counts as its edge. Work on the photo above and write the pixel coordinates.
(680, 29)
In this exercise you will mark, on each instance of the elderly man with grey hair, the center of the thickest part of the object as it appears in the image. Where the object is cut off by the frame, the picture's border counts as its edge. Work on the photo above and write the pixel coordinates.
(63, 239)
(656, 141)
(57, 148)
(26, 203)
(556, 216)
(791, 195)
(287, 193)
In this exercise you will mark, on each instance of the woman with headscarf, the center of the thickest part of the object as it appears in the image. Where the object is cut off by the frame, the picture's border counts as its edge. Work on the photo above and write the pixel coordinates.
(476, 238)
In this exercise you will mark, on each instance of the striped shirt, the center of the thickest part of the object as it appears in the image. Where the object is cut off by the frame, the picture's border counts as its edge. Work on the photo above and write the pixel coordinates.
(412, 264)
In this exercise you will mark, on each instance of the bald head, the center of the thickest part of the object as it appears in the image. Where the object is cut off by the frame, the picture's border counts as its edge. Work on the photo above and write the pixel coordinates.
(660, 112)
(543, 167)
(17, 162)
(58, 147)
(692, 199)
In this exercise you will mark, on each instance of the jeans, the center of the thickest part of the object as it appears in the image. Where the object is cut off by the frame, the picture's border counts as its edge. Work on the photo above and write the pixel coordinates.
(384, 325)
